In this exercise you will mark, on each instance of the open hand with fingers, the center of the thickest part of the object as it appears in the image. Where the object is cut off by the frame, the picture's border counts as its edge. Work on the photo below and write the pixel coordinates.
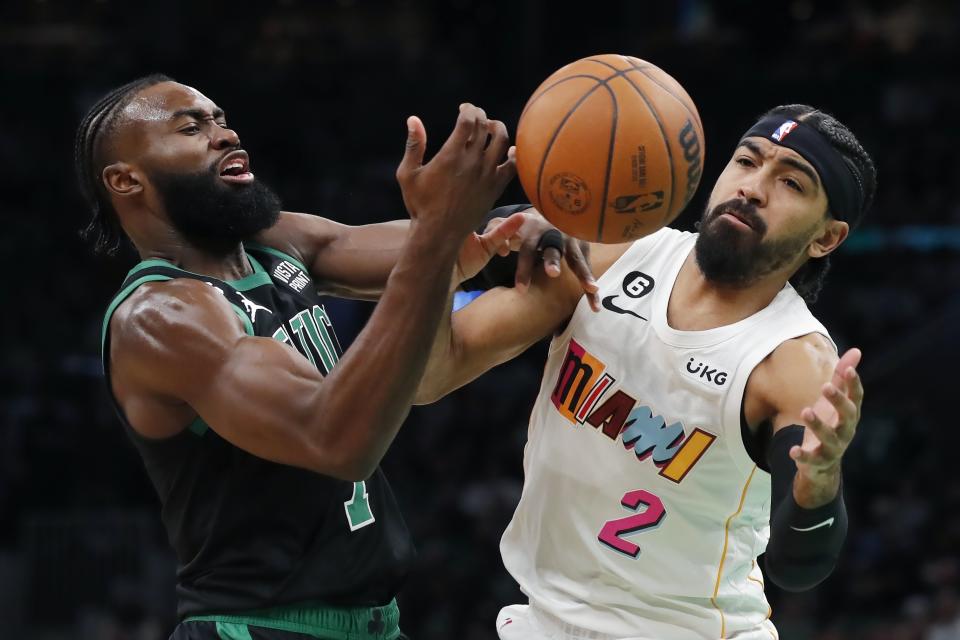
(830, 426)
(479, 248)
(536, 239)
(450, 194)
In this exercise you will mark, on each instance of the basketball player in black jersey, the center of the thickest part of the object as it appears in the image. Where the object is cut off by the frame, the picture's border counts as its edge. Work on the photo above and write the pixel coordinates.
(220, 356)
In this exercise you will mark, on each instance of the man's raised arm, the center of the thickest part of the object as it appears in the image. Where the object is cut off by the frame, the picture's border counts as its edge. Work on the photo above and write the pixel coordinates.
(177, 344)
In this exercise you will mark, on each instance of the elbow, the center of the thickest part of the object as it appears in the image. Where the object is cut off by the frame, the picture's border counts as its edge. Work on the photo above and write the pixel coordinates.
(427, 395)
(343, 455)
(349, 468)
(357, 472)
(796, 574)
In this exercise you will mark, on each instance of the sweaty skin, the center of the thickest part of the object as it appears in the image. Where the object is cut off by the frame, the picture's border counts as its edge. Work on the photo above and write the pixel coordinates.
(177, 350)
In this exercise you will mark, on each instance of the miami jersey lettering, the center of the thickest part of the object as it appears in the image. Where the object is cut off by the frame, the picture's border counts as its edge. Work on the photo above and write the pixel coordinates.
(579, 397)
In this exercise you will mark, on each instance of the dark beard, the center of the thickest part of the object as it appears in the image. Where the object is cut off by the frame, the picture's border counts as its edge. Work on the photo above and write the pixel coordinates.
(212, 215)
(738, 258)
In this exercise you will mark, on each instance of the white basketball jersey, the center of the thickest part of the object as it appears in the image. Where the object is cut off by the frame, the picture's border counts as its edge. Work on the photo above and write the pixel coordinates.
(642, 514)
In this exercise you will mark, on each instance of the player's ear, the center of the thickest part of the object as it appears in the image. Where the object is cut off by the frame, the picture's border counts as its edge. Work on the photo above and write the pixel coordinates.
(831, 237)
(121, 179)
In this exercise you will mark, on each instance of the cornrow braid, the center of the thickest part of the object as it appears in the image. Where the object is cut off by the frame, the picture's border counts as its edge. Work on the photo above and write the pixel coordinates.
(809, 278)
(104, 228)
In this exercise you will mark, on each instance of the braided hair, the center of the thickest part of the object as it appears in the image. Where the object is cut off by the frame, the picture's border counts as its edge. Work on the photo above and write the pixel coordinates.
(809, 278)
(100, 122)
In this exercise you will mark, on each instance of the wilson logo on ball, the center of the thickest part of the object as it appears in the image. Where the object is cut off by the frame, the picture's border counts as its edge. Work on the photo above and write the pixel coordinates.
(691, 153)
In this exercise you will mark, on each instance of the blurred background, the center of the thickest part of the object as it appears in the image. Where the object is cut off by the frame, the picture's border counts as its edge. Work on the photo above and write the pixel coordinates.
(318, 92)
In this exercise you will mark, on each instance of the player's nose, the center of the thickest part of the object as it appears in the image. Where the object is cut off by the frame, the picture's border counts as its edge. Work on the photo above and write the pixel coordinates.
(224, 138)
(752, 191)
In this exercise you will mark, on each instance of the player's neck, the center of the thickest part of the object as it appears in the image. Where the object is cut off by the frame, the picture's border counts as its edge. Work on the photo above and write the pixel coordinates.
(697, 304)
(231, 266)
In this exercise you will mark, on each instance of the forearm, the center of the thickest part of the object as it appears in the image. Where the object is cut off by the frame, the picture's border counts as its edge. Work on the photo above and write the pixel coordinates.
(358, 263)
(363, 257)
(808, 520)
(369, 393)
(442, 356)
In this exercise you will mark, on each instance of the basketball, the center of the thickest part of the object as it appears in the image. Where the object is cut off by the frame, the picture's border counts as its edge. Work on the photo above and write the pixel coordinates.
(610, 148)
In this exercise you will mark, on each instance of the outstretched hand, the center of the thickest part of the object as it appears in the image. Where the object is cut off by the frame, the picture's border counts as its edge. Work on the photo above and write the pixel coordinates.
(460, 183)
(478, 249)
(832, 421)
(526, 240)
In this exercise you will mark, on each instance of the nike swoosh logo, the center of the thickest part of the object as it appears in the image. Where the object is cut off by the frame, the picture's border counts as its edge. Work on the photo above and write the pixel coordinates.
(826, 523)
(609, 306)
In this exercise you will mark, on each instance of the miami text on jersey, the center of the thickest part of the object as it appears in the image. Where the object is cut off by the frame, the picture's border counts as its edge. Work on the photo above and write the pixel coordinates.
(577, 396)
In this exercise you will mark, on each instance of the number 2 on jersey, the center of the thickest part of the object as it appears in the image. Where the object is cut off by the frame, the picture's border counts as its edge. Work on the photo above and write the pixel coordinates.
(358, 507)
(652, 516)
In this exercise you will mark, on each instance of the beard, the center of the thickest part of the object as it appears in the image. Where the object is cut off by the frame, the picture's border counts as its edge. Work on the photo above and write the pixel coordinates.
(212, 215)
(730, 255)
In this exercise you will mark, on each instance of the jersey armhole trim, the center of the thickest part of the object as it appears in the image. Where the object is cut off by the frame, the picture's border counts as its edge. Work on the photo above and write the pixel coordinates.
(247, 325)
(258, 278)
(198, 427)
(125, 293)
(256, 246)
(118, 300)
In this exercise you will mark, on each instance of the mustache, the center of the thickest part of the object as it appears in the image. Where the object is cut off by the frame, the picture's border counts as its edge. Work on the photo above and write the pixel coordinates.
(743, 209)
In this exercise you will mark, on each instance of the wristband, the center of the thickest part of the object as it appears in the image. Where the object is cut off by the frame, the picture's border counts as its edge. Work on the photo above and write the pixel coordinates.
(804, 543)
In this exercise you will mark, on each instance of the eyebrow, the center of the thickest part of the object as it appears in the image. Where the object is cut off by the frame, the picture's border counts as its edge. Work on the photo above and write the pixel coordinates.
(803, 167)
(199, 114)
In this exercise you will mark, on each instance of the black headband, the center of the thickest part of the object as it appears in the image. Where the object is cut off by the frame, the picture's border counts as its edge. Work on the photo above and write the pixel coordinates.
(844, 192)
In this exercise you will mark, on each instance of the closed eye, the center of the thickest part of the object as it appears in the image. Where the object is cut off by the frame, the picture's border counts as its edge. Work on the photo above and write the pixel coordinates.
(744, 161)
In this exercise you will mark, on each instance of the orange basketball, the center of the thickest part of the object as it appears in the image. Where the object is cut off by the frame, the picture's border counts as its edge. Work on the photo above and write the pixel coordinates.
(610, 148)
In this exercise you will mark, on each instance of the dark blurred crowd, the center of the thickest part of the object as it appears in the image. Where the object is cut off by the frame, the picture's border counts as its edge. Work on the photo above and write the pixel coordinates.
(318, 92)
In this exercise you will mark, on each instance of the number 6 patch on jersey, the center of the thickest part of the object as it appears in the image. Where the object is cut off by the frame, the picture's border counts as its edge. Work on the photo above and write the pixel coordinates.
(357, 507)
(651, 517)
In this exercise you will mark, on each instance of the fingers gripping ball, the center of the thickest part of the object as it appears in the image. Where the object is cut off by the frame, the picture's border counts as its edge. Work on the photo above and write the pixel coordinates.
(610, 148)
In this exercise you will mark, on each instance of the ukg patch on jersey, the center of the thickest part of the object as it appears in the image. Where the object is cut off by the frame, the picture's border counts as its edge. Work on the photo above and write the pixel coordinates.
(578, 396)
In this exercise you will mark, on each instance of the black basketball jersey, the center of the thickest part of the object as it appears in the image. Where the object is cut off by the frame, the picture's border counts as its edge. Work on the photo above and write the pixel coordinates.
(250, 533)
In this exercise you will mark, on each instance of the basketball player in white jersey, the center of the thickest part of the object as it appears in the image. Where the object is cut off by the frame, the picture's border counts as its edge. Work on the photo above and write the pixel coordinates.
(697, 419)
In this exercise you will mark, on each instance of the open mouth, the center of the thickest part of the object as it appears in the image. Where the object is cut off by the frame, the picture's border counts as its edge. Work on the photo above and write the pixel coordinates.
(235, 167)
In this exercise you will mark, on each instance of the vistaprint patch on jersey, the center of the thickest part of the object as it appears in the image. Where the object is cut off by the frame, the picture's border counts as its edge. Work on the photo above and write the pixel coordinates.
(291, 275)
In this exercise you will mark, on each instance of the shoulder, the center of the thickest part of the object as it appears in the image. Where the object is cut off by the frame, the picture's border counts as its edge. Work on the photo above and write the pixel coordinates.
(808, 353)
(604, 256)
(300, 235)
(170, 316)
(791, 376)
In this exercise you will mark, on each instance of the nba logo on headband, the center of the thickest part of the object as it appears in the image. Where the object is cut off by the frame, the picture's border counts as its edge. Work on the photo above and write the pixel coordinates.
(783, 130)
